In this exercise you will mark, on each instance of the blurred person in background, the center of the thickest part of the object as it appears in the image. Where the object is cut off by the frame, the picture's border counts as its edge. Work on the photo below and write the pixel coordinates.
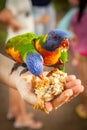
(44, 16)
(74, 22)
(17, 14)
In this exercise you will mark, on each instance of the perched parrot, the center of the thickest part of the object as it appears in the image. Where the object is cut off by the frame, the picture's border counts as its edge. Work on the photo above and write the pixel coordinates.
(38, 51)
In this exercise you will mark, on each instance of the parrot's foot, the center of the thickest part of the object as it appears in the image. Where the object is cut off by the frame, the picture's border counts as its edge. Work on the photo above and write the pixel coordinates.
(25, 68)
(15, 67)
(24, 71)
(24, 65)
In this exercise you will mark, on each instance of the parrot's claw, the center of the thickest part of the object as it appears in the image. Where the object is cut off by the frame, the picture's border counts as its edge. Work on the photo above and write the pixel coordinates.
(24, 65)
(24, 71)
(15, 67)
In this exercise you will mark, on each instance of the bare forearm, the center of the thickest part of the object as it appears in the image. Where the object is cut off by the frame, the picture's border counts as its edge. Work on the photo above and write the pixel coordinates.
(14, 80)
(5, 69)
(73, 86)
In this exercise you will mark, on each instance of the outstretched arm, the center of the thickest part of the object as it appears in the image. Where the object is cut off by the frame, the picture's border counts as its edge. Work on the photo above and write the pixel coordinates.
(73, 86)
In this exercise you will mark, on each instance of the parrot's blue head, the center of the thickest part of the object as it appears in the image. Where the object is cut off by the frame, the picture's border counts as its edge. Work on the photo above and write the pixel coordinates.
(34, 63)
(56, 38)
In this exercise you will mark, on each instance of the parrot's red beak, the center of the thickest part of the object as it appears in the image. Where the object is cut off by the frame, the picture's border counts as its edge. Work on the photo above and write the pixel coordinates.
(41, 76)
(65, 44)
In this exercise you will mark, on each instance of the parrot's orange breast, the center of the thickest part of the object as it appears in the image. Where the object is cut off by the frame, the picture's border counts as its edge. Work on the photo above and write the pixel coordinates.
(15, 54)
(50, 58)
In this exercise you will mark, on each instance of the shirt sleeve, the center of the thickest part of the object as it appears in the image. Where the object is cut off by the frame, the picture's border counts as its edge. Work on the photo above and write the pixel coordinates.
(66, 21)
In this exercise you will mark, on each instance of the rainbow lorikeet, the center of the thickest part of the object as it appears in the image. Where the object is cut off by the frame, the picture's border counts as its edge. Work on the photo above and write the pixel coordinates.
(37, 51)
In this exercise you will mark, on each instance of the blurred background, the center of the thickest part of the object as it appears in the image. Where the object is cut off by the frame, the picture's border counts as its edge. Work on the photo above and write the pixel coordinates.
(64, 118)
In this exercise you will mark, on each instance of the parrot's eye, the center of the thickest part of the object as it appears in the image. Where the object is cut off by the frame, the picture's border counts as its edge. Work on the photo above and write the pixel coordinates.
(55, 37)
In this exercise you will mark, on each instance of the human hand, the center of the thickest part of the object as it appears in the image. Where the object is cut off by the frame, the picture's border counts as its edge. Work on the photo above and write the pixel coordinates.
(25, 88)
(15, 25)
(7, 17)
(73, 87)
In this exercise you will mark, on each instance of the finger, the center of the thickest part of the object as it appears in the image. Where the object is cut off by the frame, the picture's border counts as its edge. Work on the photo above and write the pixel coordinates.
(72, 83)
(63, 98)
(48, 106)
(76, 91)
(70, 78)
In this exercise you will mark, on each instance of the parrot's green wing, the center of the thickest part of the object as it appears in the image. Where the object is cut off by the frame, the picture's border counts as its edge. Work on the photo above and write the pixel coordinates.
(23, 44)
(16, 41)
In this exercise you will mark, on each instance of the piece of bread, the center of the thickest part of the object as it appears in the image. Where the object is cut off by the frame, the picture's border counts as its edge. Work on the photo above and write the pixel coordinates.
(47, 89)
